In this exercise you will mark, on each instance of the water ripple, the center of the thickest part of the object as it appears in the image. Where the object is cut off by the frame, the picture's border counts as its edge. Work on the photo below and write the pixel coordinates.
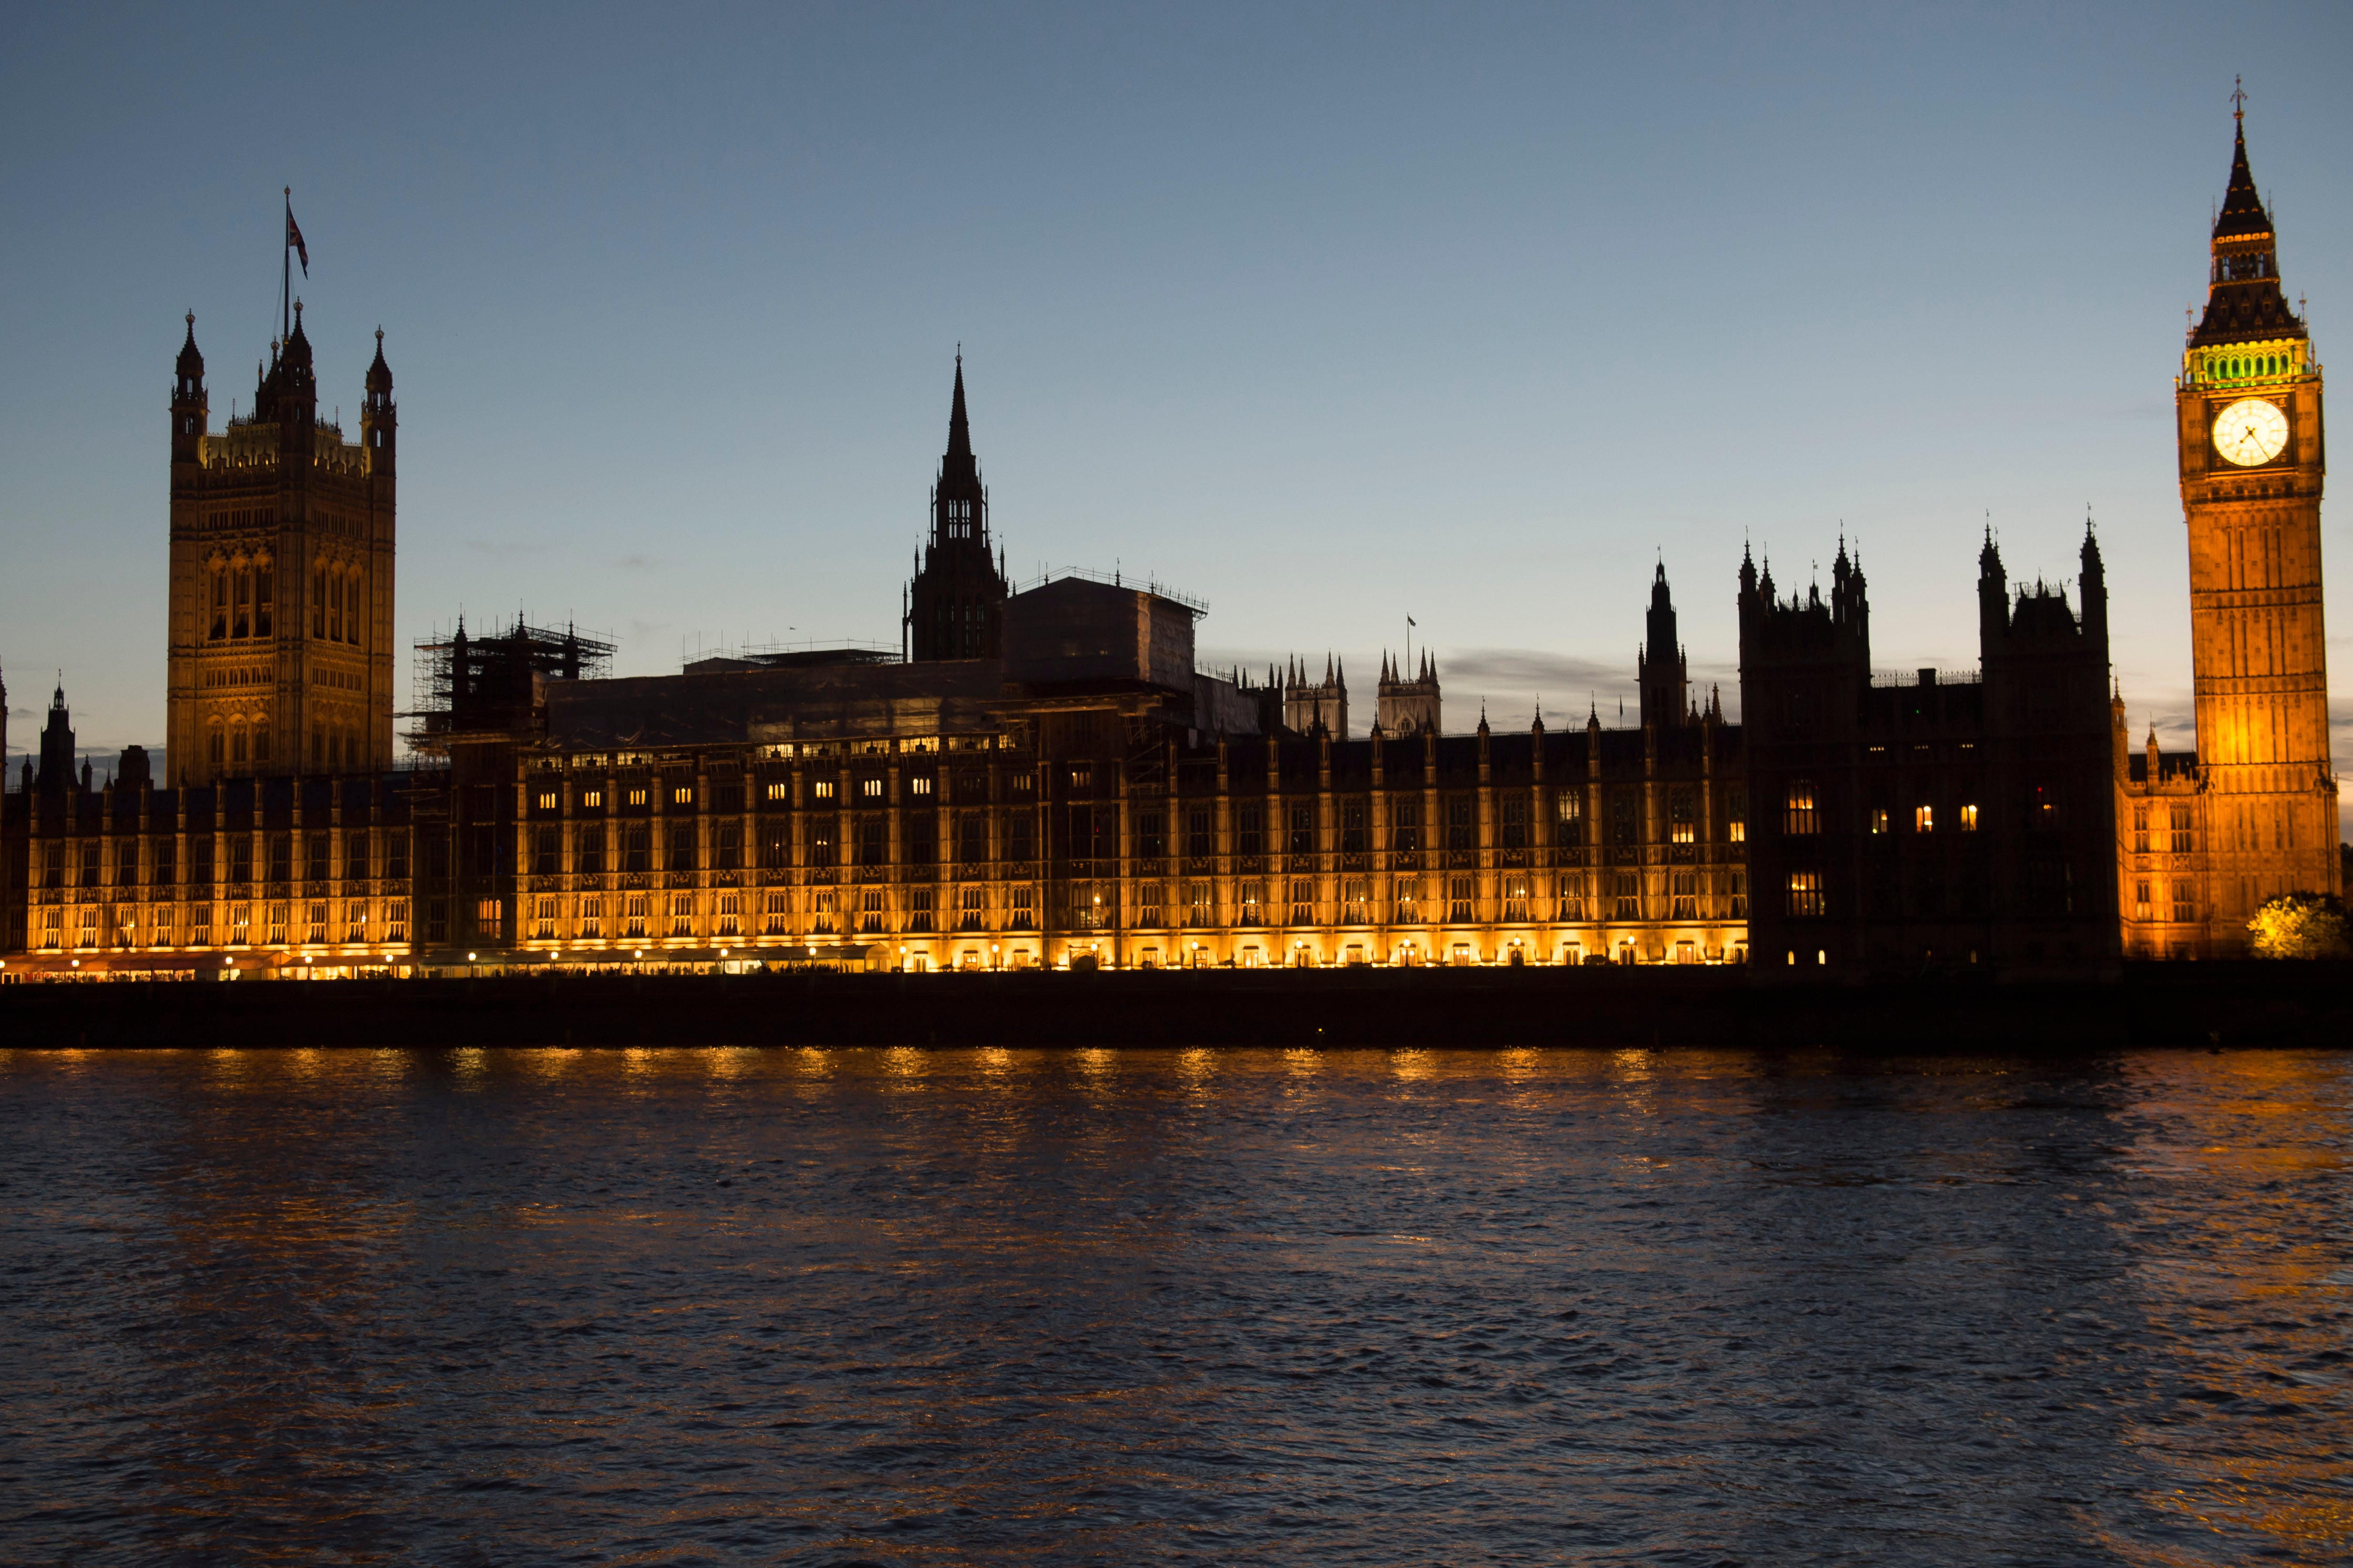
(1281, 1307)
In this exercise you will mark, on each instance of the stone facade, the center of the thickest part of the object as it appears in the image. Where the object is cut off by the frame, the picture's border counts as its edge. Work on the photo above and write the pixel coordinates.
(281, 577)
(2259, 792)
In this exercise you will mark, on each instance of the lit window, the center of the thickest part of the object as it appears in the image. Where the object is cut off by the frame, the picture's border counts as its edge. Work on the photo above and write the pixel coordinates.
(920, 785)
(593, 799)
(1878, 819)
(824, 788)
(1968, 819)
(638, 796)
(547, 800)
(683, 795)
(2141, 900)
(779, 790)
(1804, 893)
(1924, 819)
(870, 788)
(1801, 818)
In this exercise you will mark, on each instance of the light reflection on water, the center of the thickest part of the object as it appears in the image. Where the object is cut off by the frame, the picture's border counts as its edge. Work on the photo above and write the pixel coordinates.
(916, 1307)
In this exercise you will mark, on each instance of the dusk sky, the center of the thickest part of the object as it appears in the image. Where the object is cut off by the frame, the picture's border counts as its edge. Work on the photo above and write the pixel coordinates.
(1328, 316)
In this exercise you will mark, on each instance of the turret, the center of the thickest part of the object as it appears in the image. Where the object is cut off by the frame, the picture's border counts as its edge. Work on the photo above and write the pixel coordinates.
(379, 419)
(288, 394)
(1661, 669)
(2094, 586)
(191, 418)
(1993, 595)
(58, 747)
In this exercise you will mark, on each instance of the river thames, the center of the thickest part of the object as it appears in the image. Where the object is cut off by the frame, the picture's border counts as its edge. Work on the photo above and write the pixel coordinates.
(907, 1307)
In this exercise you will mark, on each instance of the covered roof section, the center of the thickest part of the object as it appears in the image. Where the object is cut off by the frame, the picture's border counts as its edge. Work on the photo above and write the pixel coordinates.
(771, 706)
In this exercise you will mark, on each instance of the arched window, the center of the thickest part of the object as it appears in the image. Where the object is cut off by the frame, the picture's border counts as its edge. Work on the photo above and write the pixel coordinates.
(220, 607)
(236, 745)
(242, 620)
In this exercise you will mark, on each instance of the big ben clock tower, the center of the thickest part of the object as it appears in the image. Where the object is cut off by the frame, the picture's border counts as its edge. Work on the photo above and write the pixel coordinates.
(2248, 403)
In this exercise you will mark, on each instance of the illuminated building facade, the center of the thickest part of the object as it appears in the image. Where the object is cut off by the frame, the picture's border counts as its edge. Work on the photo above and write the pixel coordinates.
(2252, 813)
(1045, 777)
(281, 576)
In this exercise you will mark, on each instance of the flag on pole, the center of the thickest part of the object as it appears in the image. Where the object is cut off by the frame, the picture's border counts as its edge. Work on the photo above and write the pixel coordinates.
(1411, 622)
(294, 239)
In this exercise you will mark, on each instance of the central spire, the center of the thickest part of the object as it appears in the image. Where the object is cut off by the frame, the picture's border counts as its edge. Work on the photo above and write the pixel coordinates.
(959, 427)
(954, 604)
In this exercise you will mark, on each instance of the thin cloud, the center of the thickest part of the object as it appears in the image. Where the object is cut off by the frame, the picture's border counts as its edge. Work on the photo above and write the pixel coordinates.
(508, 549)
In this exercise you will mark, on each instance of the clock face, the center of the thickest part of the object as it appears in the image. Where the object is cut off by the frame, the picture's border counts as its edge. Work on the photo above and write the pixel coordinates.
(2252, 430)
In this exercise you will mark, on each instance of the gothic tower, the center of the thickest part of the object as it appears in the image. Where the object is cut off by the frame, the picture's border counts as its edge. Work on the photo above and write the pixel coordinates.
(1408, 706)
(1308, 704)
(1660, 669)
(2249, 405)
(956, 605)
(281, 585)
(57, 749)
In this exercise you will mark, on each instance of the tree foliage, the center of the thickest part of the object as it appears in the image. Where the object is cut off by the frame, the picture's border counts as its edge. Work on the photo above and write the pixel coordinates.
(2299, 925)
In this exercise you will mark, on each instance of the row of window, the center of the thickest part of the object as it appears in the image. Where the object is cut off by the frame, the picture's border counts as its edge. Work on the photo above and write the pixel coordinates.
(2050, 890)
(244, 605)
(1801, 814)
(323, 921)
(2184, 905)
(1296, 826)
(233, 853)
(1095, 907)
(2184, 828)
(626, 916)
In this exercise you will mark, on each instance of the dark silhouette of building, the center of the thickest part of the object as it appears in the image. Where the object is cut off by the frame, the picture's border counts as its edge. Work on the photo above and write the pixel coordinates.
(955, 603)
(1938, 818)
(1661, 669)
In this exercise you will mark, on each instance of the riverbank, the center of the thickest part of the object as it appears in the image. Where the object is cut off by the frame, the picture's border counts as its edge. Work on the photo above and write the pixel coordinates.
(2148, 1004)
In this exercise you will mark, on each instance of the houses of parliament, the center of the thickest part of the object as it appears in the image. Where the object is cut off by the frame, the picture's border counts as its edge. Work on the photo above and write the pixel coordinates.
(1044, 777)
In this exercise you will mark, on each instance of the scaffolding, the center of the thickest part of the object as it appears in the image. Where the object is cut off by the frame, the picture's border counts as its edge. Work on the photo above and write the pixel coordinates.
(468, 685)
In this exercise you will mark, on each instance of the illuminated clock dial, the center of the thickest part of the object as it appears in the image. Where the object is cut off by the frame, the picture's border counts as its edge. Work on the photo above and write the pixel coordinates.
(2252, 430)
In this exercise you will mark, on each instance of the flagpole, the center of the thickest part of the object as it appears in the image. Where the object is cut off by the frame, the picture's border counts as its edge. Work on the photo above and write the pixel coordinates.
(286, 271)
